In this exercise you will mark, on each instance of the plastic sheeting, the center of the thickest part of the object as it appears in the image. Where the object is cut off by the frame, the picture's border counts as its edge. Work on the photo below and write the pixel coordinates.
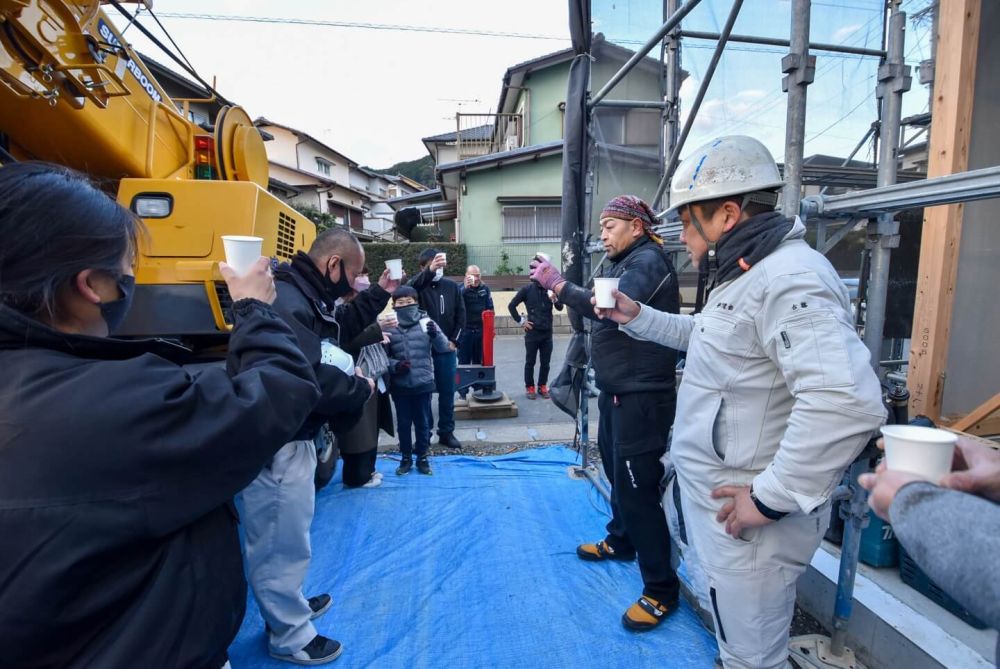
(475, 566)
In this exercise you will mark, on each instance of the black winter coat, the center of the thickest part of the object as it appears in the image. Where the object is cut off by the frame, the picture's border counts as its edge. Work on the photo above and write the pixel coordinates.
(118, 542)
(622, 364)
(442, 300)
(476, 299)
(539, 306)
(303, 306)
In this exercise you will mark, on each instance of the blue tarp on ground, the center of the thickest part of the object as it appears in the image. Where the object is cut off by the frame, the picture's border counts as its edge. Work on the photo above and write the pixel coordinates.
(476, 567)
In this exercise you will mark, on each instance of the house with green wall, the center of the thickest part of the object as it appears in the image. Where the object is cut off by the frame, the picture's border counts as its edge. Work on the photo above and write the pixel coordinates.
(503, 170)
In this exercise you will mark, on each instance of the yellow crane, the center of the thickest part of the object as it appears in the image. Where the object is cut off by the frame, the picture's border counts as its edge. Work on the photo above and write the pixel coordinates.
(73, 92)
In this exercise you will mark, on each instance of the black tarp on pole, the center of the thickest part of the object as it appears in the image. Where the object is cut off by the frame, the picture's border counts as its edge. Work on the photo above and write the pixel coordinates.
(574, 176)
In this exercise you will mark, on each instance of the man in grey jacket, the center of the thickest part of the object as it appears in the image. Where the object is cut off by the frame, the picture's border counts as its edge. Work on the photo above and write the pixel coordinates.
(778, 394)
(952, 530)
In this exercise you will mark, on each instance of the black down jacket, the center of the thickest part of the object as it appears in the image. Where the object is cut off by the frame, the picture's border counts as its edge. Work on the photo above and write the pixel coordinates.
(622, 364)
(118, 543)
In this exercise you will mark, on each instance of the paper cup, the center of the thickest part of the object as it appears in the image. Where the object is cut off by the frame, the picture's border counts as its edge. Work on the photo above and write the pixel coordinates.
(544, 256)
(924, 451)
(241, 251)
(602, 291)
(395, 267)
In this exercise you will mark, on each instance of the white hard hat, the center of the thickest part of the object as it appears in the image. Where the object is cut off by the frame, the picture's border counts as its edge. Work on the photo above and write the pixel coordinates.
(731, 165)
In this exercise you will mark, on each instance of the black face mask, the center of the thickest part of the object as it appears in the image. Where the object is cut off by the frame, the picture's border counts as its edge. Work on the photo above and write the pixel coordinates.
(408, 316)
(338, 288)
(114, 312)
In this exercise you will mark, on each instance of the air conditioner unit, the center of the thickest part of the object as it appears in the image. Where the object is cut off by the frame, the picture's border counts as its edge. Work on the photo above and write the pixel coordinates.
(511, 143)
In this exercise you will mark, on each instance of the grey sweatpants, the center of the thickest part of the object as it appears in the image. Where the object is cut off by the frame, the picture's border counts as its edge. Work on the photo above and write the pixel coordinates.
(751, 580)
(277, 514)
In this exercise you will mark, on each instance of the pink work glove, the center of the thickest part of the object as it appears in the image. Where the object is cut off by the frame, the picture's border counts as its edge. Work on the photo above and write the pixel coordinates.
(545, 274)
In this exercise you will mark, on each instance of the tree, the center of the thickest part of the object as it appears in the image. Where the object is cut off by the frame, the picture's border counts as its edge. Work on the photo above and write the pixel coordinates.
(324, 221)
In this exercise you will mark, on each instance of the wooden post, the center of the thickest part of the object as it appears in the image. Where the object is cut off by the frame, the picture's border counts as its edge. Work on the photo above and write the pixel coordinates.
(954, 85)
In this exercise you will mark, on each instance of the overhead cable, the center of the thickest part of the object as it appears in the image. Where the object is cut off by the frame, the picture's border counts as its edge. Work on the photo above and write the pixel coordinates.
(361, 25)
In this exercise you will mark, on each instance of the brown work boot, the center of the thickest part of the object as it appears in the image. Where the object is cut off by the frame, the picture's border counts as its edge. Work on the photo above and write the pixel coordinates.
(543, 390)
(602, 551)
(530, 392)
(647, 613)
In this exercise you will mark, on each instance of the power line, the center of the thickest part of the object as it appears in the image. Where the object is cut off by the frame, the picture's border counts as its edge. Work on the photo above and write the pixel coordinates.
(362, 25)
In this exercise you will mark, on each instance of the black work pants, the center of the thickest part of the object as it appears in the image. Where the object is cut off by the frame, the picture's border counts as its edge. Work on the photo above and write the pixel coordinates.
(632, 437)
(358, 467)
(537, 345)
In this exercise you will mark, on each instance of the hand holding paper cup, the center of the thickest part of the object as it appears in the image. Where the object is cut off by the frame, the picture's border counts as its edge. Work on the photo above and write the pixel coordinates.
(925, 451)
(395, 267)
(603, 292)
(242, 251)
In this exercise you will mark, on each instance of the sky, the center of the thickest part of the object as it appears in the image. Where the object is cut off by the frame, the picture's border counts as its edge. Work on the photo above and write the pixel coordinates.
(374, 93)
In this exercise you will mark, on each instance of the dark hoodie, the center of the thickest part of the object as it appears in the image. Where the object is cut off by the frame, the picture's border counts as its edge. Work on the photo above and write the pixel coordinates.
(118, 542)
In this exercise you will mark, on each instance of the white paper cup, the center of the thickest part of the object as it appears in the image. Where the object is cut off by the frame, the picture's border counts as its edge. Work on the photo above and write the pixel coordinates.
(395, 267)
(602, 291)
(544, 256)
(242, 251)
(924, 451)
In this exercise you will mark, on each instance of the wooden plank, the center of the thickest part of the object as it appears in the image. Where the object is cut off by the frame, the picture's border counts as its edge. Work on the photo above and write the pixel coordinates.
(988, 427)
(977, 415)
(954, 84)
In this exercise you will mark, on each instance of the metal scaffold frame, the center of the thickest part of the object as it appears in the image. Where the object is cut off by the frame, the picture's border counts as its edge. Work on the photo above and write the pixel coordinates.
(878, 205)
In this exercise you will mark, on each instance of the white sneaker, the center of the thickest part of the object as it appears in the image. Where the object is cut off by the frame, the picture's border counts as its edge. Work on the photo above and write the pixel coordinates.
(373, 482)
(377, 475)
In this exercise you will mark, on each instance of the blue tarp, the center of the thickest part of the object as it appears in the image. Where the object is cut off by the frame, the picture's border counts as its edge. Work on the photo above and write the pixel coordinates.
(475, 566)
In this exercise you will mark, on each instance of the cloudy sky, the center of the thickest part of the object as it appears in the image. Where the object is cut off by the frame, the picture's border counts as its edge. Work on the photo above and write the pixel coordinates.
(374, 92)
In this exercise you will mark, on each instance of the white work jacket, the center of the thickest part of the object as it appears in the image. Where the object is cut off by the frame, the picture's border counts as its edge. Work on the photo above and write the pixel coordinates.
(777, 390)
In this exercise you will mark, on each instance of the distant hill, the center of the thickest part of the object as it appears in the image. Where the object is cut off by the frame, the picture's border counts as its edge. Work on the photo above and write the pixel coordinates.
(421, 170)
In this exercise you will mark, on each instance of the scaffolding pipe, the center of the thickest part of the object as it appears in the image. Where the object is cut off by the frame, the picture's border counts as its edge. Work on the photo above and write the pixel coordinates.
(981, 184)
(696, 105)
(643, 51)
(672, 95)
(799, 68)
(893, 81)
(631, 104)
(774, 41)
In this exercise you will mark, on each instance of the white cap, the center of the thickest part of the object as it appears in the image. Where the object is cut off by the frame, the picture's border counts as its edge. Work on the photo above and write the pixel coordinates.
(732, 165)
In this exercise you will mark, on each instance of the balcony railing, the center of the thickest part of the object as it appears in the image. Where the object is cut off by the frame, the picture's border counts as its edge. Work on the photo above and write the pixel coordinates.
(483, 134)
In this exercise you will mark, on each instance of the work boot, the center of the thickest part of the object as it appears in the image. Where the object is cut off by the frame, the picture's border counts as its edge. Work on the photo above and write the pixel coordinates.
(602, 551)
(530, 392)
(647, 613)
(318, 651)
(423, 466)
(405, 465)
(319, 605)
(543, 390)
(448, 439)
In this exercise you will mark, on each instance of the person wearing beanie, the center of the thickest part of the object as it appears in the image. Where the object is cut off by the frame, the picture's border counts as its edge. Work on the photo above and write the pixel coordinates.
(636, 380)
(442, 299)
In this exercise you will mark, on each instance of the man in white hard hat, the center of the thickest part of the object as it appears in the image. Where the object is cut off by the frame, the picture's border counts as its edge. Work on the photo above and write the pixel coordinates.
(778, 395)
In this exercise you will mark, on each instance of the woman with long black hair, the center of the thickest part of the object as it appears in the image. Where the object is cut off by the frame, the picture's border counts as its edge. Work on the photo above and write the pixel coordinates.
(118, 542)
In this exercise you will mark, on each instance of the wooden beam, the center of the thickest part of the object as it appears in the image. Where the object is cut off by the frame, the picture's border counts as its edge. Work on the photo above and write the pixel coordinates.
(954, 85)
(977, 415)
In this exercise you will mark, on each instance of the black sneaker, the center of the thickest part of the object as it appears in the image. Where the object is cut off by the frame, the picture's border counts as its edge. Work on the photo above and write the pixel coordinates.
(318, 651)
(448, 439)
(423, 466)
(319, 605)
(404, 467)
